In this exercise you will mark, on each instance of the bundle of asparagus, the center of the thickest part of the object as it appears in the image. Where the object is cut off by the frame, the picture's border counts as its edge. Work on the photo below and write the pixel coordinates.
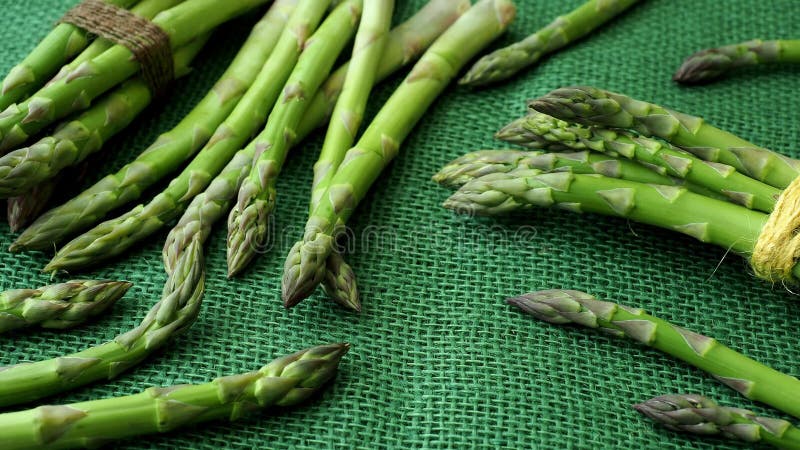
(712, 63)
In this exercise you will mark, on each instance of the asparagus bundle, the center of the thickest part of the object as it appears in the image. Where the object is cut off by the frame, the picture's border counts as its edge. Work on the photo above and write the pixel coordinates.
(284, 382)
(710, 64)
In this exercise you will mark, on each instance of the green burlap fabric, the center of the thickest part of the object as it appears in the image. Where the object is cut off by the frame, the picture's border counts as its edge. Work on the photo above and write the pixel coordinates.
(438, 359)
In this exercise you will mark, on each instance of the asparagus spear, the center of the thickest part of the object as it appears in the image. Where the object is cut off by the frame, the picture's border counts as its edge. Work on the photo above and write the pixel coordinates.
(247, 223)
(170, 149)
(58, 47)
(695, 414)
(25, 208)
(63, 305)
(709, 64)
(742, 374)
(539, 130)
(305, 265)
(506, 62)
(592, 106)
(405, 43)
(340, 282)
(286, 381)
(21, 170)
(114, 236)
(171, 316)
(184, 22)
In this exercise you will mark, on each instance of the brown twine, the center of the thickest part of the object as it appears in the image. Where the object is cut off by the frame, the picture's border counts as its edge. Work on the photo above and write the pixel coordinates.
(146, 40)
(778, 246)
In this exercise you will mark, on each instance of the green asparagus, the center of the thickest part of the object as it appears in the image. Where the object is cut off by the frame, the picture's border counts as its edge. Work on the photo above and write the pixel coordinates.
(286, 381)
(172, 315)
(742, 374)
(707, 65)
(25, 208)
(695, 414)
(592, 106)
(63, 305)
(405, 43)
(247, 223)
(184, 22)
(508, 61)
(380, 143)
(170, 149)
(340, 282)
(114, 236)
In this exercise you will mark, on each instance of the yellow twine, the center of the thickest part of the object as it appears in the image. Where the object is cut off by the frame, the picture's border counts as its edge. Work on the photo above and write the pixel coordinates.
(778, 245)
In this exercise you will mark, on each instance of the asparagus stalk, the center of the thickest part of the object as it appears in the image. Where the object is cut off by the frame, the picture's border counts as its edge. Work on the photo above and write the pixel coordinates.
(183, 23)
(405, 43)
(340, 282)
(305, 265)
(170, 149)
(63, 305)
(508, 61)
(592, 106)
(171, 316)
(286, 381)
(742, 374)
(695, 414)
(247, 222)
(114, 236)
(56, 49)
(709, 64)
(539, 130)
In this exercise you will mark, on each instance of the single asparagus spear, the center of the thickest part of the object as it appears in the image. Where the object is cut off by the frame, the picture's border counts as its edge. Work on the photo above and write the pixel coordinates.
(405, 43)
(56, 49)
(63, 305)
(592, 106)
(24, 209)
(247, 222)
(340, 282)
(305, 265)
(114, 236)
(506, 62)
(695, 414)
(21, 170)
(539, 130)
(709, 64)
(746, 376)
(171, 316)
(184, 22)
(286, 381)
(170, 149)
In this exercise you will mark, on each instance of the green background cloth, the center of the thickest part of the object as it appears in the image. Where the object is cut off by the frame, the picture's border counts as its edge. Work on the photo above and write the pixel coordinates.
(438, 359)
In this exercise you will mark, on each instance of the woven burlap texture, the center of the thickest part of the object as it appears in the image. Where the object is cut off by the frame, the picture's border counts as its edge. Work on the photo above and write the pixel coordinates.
(438, 359)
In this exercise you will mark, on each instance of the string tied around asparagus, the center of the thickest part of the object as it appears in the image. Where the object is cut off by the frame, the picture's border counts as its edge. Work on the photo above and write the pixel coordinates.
(778, 246)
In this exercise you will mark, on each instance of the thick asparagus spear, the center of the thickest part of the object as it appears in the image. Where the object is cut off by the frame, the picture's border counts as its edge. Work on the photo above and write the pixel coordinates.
(709, 64)
(170, 149)
(695, 414)
(247, 222)
(539, 130)
(592, 106)
(172, 315)
(56, 49)
(184, 22)
(63, 305)
(405, 43)
(114, 236)
(286, 381)
(506, 62)
(305, 265)
(746, 376)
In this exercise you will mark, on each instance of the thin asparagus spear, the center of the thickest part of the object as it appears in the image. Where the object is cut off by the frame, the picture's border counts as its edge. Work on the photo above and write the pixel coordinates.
(114, 236)
(56, 49)
(508, 61)
(247, 223)
(171, 316)
(286, 381)
(405, 43)
(709, 64)
(742, 374)
(340, 282)
(63, 305)
(305, 264)
(170, 149)
(592, 106)
(695, 414)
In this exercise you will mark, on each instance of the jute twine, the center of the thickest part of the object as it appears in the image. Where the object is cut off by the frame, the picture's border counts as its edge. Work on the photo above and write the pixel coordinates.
(149, 44)
(778, 246)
